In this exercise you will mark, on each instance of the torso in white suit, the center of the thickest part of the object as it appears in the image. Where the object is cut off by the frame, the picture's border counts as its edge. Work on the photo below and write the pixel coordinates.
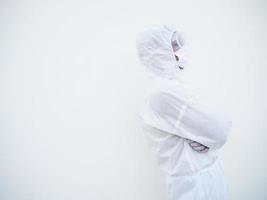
(171, 114)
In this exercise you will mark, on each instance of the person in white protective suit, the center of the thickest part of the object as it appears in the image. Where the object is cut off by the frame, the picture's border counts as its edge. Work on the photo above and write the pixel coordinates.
(185, 132)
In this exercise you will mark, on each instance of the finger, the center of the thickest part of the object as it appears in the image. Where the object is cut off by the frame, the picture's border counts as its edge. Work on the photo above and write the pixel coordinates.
(204, 150)
(195, 144)
(199, 148)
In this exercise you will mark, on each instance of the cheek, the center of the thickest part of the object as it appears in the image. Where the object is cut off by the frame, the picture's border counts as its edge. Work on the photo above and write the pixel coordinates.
(175, 46)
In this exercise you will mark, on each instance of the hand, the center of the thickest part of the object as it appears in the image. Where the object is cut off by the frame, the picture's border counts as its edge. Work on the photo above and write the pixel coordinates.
(197, 146)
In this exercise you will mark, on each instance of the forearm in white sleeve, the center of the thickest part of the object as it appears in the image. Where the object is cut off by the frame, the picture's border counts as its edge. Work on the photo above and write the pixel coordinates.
(196, 121)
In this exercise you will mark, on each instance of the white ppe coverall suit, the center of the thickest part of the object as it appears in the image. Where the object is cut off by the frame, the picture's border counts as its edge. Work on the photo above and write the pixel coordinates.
(172, 114)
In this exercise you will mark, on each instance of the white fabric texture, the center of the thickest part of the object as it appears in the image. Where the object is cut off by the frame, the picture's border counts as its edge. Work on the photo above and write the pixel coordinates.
(172, 114)
(155, 50)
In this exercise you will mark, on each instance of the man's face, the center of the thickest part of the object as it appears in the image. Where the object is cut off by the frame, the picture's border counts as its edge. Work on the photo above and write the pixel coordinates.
(175, 46)
(178, 52)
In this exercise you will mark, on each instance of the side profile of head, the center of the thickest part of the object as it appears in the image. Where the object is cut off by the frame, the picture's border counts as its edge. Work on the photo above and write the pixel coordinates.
(161, 48)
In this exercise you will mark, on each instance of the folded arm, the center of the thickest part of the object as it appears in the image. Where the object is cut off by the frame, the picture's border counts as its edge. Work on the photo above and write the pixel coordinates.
(199, 123)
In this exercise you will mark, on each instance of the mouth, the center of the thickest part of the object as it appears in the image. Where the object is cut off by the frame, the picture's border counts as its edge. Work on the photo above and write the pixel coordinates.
(176, 57)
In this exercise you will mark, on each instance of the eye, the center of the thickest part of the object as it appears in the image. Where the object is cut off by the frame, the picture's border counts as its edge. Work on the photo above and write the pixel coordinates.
(177, 58)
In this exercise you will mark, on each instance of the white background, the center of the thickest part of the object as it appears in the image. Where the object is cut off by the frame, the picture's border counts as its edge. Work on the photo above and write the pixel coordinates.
(71, 85)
